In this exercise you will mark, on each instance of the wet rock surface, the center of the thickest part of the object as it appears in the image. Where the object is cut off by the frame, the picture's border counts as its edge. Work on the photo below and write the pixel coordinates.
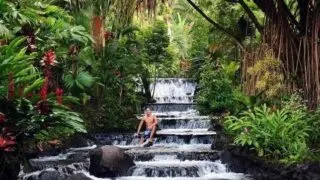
(242, 160)
(58, 172)
(109, 161)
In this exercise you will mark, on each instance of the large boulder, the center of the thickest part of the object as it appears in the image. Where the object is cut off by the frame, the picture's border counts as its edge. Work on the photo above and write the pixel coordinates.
(109, 161)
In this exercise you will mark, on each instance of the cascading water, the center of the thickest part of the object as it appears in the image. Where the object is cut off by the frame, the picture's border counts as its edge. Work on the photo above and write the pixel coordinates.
(173, 90)
(182, 147)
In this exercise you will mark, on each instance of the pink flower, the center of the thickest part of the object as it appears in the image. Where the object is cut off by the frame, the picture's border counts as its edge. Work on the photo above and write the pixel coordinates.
(49, 59)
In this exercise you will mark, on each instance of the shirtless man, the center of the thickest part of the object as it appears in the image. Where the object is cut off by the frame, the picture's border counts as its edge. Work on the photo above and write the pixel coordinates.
(151, 123)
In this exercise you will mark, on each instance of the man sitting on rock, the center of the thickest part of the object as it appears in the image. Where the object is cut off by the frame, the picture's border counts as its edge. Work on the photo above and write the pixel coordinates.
(151, 124)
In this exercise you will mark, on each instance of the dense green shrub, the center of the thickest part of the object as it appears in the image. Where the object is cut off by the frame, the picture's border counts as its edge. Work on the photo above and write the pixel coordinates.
(281, 134)
(216, 87)
(314, 123)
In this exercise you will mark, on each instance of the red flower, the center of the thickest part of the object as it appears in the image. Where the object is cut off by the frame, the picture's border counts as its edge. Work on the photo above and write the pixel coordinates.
(49, 59)
(59, 93)
(6, 143)
(10, 86)
(2, 117)
(2, 142)
(44, 89)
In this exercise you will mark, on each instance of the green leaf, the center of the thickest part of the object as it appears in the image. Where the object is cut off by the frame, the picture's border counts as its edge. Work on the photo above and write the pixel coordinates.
(36, 84)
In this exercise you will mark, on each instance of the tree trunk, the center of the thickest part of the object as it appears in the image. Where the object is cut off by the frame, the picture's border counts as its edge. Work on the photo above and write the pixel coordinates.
(296, 44)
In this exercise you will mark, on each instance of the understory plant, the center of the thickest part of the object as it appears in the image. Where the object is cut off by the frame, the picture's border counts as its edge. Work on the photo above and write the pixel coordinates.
(279, 134)
(216, 87)
(31, 104)
(34, 106)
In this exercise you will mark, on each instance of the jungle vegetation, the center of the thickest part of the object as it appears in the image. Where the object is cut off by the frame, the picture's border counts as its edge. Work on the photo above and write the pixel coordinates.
(71, 66)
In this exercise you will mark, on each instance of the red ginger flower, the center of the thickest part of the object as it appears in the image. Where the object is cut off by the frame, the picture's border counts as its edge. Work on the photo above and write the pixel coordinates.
(49, 59)
(2, 117)
(59, 93)
(44, 89)
(10, 86)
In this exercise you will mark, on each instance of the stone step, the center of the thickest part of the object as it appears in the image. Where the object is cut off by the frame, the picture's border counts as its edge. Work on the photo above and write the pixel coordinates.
(176, 99)
(183, 118)
(184, 124)
(187, 113)
(210, 176)
(143, 155)
(168, 148)
(186, 132)
(165, 138)
(175, 117)
(177, 168)
(170, 107)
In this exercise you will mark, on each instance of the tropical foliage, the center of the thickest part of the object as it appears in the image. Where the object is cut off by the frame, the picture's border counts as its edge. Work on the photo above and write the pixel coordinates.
(274, 133)
(33, 108)
(99, 57)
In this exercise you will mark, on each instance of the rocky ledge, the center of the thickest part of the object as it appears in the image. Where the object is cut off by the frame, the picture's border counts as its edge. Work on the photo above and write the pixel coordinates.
(243, 160)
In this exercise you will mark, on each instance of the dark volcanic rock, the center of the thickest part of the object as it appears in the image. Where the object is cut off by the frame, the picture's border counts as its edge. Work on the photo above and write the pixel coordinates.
(58, 172)
(242, 160)
(109, 161)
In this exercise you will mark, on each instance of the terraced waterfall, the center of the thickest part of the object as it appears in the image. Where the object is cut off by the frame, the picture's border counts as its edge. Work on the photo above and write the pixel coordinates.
(182, 148)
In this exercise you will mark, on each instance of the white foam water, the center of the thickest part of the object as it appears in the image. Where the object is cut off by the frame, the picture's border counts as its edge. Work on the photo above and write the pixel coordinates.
(173, 147)
(83, 148)
(219, 173)
(24, 176)
(52, 158)
(191, 113)
(203, 131)
(184, 124)
(176, 163)
(173, 90)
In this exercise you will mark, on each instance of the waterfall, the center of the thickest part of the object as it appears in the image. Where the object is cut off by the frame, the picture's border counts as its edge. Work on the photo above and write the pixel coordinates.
(182, 147)
(173, 90)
